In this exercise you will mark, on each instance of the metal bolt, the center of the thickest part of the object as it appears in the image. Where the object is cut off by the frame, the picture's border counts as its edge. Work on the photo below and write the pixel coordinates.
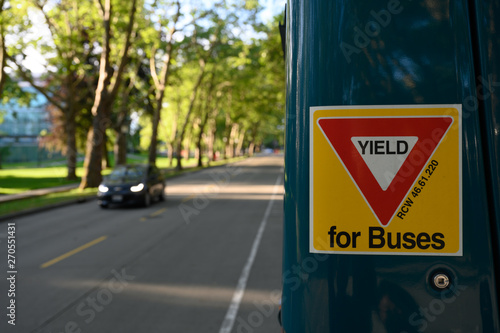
(441, 281)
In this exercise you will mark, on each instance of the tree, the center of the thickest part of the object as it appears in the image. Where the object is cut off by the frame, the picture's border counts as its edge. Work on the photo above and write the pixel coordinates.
(121, 124)
(161, 80)
(206, 108)
(107, 89)
(240, 81)
(202, 61)
(3, 51)
(3, 54)
(68, 59)
(263, 108)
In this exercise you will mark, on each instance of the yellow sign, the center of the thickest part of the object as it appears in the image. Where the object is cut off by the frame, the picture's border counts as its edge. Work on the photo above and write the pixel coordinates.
(386, 180)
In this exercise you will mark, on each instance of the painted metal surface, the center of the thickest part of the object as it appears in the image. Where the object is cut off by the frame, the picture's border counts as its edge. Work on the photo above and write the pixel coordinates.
(380, 52)
(488, 94)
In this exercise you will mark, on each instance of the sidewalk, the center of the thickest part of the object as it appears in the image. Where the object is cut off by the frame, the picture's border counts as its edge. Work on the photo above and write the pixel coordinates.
(38, 192)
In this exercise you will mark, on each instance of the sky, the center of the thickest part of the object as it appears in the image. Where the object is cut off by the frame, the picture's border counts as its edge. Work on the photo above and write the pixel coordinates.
(271, 9)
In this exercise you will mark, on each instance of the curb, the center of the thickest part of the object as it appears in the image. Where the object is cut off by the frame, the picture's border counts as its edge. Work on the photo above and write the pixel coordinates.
(37, 193)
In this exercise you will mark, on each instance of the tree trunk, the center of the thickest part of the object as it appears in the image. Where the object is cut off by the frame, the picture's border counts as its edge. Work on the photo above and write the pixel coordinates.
(154, 136)
(199, 145)
(239, 145)
(121, 130)
(230, 141)
(105, 152)
(3, 57)
(93, 156)
(180, 143)
(210, 146)
(179, 167)
(173, 136)
(251, 146)
(170, 153)
(251, 149)
(71, 151)
(197, 156)
(187, 149)
(120, 147)
(199, 148)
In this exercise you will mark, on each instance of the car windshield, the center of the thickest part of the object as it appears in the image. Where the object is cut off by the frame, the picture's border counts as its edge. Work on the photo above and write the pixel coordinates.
(127, 172)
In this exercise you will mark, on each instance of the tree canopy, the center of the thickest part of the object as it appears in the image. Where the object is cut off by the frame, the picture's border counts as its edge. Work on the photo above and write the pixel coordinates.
(190, 77)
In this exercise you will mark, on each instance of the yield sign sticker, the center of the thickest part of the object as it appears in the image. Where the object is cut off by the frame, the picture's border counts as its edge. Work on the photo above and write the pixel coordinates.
(384, 155)
(374, 160)
(386, 180)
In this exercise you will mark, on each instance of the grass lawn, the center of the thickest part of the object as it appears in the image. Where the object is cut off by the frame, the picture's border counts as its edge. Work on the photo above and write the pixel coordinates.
(18, 179)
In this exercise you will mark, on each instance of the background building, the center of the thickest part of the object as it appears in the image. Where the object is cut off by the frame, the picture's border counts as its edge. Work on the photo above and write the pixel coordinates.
(21, 128)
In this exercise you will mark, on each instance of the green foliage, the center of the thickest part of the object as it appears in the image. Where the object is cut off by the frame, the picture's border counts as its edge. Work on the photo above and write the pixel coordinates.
(241, 93)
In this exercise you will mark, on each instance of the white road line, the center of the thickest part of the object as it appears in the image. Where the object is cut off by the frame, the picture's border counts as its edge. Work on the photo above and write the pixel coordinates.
(228, 322)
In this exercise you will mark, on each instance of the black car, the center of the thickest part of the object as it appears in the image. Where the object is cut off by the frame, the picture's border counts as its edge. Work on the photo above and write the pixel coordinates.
(131, 184)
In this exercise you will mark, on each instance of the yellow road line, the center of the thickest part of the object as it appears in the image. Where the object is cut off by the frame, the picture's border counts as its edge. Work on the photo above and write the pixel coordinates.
(158, 212)
(192, 196)
(143, 219)
(70, 253)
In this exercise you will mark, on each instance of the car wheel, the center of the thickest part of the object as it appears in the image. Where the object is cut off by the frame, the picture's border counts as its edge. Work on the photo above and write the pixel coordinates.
(147, 199)
(104, 206)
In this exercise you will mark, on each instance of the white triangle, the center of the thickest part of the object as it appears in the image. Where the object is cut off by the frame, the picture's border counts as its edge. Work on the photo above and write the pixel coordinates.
(384, 155)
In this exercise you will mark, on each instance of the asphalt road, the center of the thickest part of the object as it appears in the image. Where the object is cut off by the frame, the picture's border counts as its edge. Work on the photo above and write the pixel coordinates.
(206, 260)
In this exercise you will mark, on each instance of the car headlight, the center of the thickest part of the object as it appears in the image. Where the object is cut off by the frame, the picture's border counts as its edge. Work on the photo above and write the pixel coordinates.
(137, 188)
(103, 188)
